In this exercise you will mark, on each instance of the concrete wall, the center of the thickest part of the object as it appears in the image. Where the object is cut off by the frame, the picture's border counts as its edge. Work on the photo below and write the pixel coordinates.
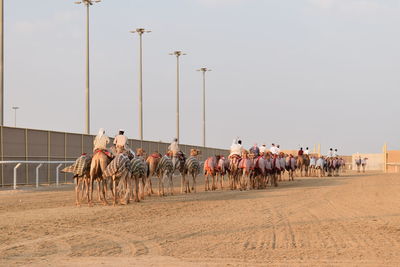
(393, 160)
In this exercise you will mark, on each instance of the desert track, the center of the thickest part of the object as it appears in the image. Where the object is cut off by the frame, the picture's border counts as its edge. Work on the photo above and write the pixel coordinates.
(350, 220)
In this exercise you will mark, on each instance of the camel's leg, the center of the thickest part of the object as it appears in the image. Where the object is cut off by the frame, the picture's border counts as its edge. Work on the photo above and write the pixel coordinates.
(90, 194)
(128, 189)
(114, 191)
(213, 187)
(182, 183)
(187, 185)
(77, 191)
(159, 185)
(194, 176)
(150, 184)
(136, 181)
(104, 182)
(221, 182)
(162, 185)
(171, 184)
(103, 187)
(142, 182)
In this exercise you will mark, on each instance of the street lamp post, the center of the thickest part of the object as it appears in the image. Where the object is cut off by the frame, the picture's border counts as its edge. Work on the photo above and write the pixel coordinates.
(140, 31)
(177, 54)
(1, 62)
(15, 115)
(204, 70)
(88, 3)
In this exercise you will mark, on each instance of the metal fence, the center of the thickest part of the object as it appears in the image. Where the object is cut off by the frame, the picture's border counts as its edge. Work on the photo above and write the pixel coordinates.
(18, 144)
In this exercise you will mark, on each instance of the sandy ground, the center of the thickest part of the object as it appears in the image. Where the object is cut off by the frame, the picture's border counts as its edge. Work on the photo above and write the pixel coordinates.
(345, 221)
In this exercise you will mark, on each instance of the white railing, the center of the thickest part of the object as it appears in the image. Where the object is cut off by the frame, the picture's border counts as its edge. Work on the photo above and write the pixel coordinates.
(18, 164)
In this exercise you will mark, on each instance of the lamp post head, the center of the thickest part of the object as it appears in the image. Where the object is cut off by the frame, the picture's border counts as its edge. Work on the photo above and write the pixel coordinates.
(140, 31)
(15, 108)
(177, 53)
(204, 69)
(88, 2)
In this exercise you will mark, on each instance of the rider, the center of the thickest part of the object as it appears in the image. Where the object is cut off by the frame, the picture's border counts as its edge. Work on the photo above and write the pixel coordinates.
(330, 153)
(273, 149)
(120, 142)
(335, 154)
(236, 148)
(101, 140)
(307, 152)
(278, 149)
(263, 149)
(300, 152)
(255, 150)
(174, 147)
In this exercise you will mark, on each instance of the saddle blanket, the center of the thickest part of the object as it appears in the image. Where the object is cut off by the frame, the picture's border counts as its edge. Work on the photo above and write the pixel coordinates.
(80, 167)
(117, 166)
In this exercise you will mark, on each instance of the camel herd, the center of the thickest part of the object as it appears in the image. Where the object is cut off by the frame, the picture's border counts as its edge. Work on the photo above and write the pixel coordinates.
(129, 177)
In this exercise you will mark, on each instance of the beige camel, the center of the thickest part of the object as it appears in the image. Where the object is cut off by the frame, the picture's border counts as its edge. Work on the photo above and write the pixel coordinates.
(152, 163)
(97, 167)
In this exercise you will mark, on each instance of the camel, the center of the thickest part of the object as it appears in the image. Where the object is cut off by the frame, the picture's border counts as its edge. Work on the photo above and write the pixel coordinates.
(178, 161)
(268, 168)
(138, 171)
(246, 166)
(222, 169)
(165, 169)
(152, 163)
(192, 167)
(259, 173)
(234, 171)
(303, 162)
(81, 171)
(142, 180)
(276, 169)
(290, 167)
(81, 187)
(97, 167)
(210, 166)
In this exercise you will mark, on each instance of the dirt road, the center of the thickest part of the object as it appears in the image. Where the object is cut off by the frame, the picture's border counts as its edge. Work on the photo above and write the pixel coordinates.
(349, 220)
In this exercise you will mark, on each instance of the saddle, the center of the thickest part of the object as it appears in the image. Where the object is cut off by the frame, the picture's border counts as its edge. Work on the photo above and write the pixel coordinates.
(235, 156)
(105, 152)
(155, 155)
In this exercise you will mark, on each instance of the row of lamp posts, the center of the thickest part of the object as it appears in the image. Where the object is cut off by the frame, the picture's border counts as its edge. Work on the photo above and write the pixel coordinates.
(140, 32)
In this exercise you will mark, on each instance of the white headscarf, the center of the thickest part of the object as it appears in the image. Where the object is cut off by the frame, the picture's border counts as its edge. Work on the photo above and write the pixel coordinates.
(101, 133)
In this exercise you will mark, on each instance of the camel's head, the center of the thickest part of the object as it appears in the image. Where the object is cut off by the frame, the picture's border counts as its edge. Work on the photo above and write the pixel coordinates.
(245, 154)
(140, 152)
(169, 153)
(194, 152)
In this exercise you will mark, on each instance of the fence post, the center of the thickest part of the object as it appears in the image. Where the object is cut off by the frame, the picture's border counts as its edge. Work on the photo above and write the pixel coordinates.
(65, 155)
(15, 175)
(58, 174)
(2, 155)
(26, 157)
(385, 158)
(48, 156)
(37, 174)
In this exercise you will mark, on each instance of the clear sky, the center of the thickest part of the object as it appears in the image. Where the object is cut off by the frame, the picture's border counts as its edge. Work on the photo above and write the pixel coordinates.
(293, 72)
